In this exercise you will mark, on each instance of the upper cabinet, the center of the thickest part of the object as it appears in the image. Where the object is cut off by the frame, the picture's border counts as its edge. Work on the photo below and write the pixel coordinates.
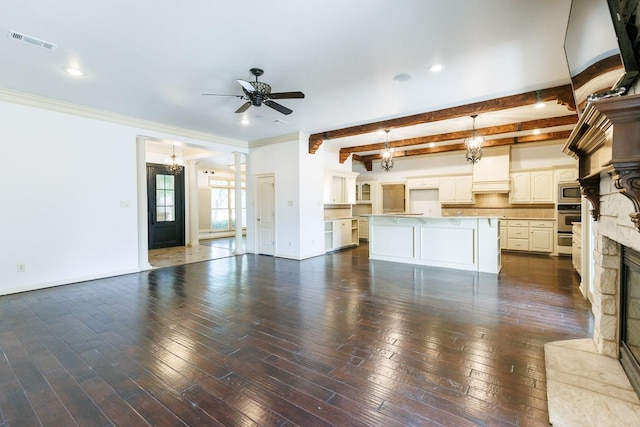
(365, 191)
(340, 188)
(456, 189)
(569, 174)
(531, 187)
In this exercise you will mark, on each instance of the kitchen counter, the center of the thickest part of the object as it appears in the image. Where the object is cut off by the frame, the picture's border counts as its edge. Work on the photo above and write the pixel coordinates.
(460, 242)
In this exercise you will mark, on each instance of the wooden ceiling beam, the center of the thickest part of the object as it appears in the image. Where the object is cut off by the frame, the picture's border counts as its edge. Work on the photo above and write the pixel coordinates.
(562, 94)
(550, 136)
(493, 130)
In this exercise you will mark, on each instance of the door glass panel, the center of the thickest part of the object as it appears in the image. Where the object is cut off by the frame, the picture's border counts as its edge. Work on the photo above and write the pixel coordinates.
(165, 198)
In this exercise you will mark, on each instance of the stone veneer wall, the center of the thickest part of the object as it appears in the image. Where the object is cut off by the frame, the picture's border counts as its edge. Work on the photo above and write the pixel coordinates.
(612, 230)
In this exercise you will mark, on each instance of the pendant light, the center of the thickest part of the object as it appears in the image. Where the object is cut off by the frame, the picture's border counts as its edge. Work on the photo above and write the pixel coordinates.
(474, 144)
(174, 167)
(386, 155)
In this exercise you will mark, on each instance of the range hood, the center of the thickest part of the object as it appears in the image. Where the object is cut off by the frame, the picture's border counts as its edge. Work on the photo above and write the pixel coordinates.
(491, 173)
(501, 186)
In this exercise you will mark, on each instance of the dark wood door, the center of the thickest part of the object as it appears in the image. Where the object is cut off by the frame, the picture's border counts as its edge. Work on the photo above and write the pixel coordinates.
(165, 196)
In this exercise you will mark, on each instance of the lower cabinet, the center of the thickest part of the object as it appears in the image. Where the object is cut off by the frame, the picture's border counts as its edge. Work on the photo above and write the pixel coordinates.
(340, 233)
(530, 235)
(363, 229)
(576, 247)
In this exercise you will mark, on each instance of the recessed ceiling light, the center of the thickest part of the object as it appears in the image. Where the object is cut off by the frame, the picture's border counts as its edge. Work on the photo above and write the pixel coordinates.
(537, 131)
(76, 72)
(540, 104)
(431, 144)
(436, 68)
(402, 77)
(244, 121)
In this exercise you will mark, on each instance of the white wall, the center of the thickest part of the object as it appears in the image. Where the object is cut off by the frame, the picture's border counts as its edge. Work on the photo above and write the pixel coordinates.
(69, 209)
(299, 181)
(539, 156)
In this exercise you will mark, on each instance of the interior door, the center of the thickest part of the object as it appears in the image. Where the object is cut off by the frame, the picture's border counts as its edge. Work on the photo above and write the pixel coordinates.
(165, 196)
(266, 215)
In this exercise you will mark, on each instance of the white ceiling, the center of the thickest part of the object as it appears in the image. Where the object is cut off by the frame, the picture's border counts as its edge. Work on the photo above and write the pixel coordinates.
(153, 60)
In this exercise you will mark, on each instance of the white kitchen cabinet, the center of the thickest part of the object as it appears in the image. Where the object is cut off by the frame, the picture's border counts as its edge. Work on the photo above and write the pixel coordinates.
(423, 183)
(363, 228)
(542, 187)
(567, 174)
(340, 233)
(576, 247)
(517, 235)
(456, 189)
(365, 191)
(530, 235)
(339, 188)
(531, 187)
(541, 236)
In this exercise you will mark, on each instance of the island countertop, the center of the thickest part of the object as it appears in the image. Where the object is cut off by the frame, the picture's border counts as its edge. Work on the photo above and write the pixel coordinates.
(461, 242)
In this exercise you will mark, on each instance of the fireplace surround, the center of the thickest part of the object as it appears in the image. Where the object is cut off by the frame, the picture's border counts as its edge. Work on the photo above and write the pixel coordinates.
(606, 142)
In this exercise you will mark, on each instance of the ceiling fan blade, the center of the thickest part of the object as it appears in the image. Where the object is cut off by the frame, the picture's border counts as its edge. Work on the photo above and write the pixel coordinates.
(244, 107)
(247, 86)
(286, 95)
(220, 94)
(278, 107)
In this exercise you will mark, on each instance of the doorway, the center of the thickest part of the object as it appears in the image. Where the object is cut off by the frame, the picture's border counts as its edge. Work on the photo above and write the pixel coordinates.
(165, 212)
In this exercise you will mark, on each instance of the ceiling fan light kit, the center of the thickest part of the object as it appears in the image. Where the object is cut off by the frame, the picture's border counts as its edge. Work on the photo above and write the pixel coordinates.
(257, 93)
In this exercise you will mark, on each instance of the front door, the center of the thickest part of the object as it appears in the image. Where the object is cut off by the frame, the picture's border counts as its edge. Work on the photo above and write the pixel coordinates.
(266, 215)
(165, 196)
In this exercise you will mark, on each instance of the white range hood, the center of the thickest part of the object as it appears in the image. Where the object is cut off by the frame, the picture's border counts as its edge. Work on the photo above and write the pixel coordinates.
(491, 173)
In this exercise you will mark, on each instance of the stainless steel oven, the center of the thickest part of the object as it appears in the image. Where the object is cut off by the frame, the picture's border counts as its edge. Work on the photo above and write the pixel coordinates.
(567, 215)
(569, 193)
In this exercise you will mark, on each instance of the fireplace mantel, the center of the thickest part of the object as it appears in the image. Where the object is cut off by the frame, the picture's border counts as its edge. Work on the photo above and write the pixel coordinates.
(606, 139)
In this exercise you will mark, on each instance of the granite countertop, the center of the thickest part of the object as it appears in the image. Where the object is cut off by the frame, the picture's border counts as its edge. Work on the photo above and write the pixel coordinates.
(417, 215)
(529, 218)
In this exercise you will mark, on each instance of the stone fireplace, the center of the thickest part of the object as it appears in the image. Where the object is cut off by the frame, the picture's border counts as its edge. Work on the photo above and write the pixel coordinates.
(613, 232)
(586, 383)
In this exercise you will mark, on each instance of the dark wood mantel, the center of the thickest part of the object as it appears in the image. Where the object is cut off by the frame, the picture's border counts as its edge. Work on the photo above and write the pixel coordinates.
(607, 140)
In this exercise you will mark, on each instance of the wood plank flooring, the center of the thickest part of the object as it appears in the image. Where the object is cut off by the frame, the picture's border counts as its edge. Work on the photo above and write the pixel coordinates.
(254, 340)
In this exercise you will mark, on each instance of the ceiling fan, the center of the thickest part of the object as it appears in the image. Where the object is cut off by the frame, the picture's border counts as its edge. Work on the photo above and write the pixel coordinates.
(258, 93)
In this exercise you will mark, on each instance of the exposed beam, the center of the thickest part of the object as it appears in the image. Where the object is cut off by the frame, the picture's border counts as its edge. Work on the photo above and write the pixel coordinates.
(562, 94)
(450, 136)
(368, 160)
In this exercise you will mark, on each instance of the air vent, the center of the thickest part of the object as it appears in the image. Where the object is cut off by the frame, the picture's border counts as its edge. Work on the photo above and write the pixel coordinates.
(31, 40)
(280, 122)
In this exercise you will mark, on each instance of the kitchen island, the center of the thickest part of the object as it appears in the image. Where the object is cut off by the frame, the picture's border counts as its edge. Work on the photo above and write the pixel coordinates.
(461, 242)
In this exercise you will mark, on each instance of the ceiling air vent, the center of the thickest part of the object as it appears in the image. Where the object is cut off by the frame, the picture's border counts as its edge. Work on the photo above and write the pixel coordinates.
(31, 40)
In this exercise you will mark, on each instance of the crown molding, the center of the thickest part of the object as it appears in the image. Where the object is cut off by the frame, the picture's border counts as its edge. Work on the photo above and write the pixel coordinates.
(94, 113)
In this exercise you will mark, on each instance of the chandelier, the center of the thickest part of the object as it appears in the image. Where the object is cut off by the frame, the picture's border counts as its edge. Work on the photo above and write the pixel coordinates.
(474, 144)
(174, 167)
(386, 154)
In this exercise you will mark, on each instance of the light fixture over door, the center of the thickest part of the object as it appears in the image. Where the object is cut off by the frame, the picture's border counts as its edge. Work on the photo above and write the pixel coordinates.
(174, 167)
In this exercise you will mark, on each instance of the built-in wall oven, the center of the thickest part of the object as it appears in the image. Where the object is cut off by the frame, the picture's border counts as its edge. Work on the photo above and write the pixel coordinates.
(567, 215)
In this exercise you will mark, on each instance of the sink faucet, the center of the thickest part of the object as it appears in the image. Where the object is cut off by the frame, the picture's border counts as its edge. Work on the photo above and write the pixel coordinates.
(459, 213)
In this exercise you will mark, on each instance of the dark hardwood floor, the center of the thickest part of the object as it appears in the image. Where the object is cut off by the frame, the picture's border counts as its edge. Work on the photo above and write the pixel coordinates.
(255, 340)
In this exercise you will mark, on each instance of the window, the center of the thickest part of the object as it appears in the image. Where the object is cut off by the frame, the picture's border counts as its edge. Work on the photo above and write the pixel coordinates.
(165, 198)
(223, 204)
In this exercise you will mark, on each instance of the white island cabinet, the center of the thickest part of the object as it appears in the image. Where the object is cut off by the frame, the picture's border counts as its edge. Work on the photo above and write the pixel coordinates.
(464, 243)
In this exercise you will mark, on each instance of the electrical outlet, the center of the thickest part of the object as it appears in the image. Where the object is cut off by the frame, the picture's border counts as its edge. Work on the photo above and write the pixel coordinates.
(22, 268)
